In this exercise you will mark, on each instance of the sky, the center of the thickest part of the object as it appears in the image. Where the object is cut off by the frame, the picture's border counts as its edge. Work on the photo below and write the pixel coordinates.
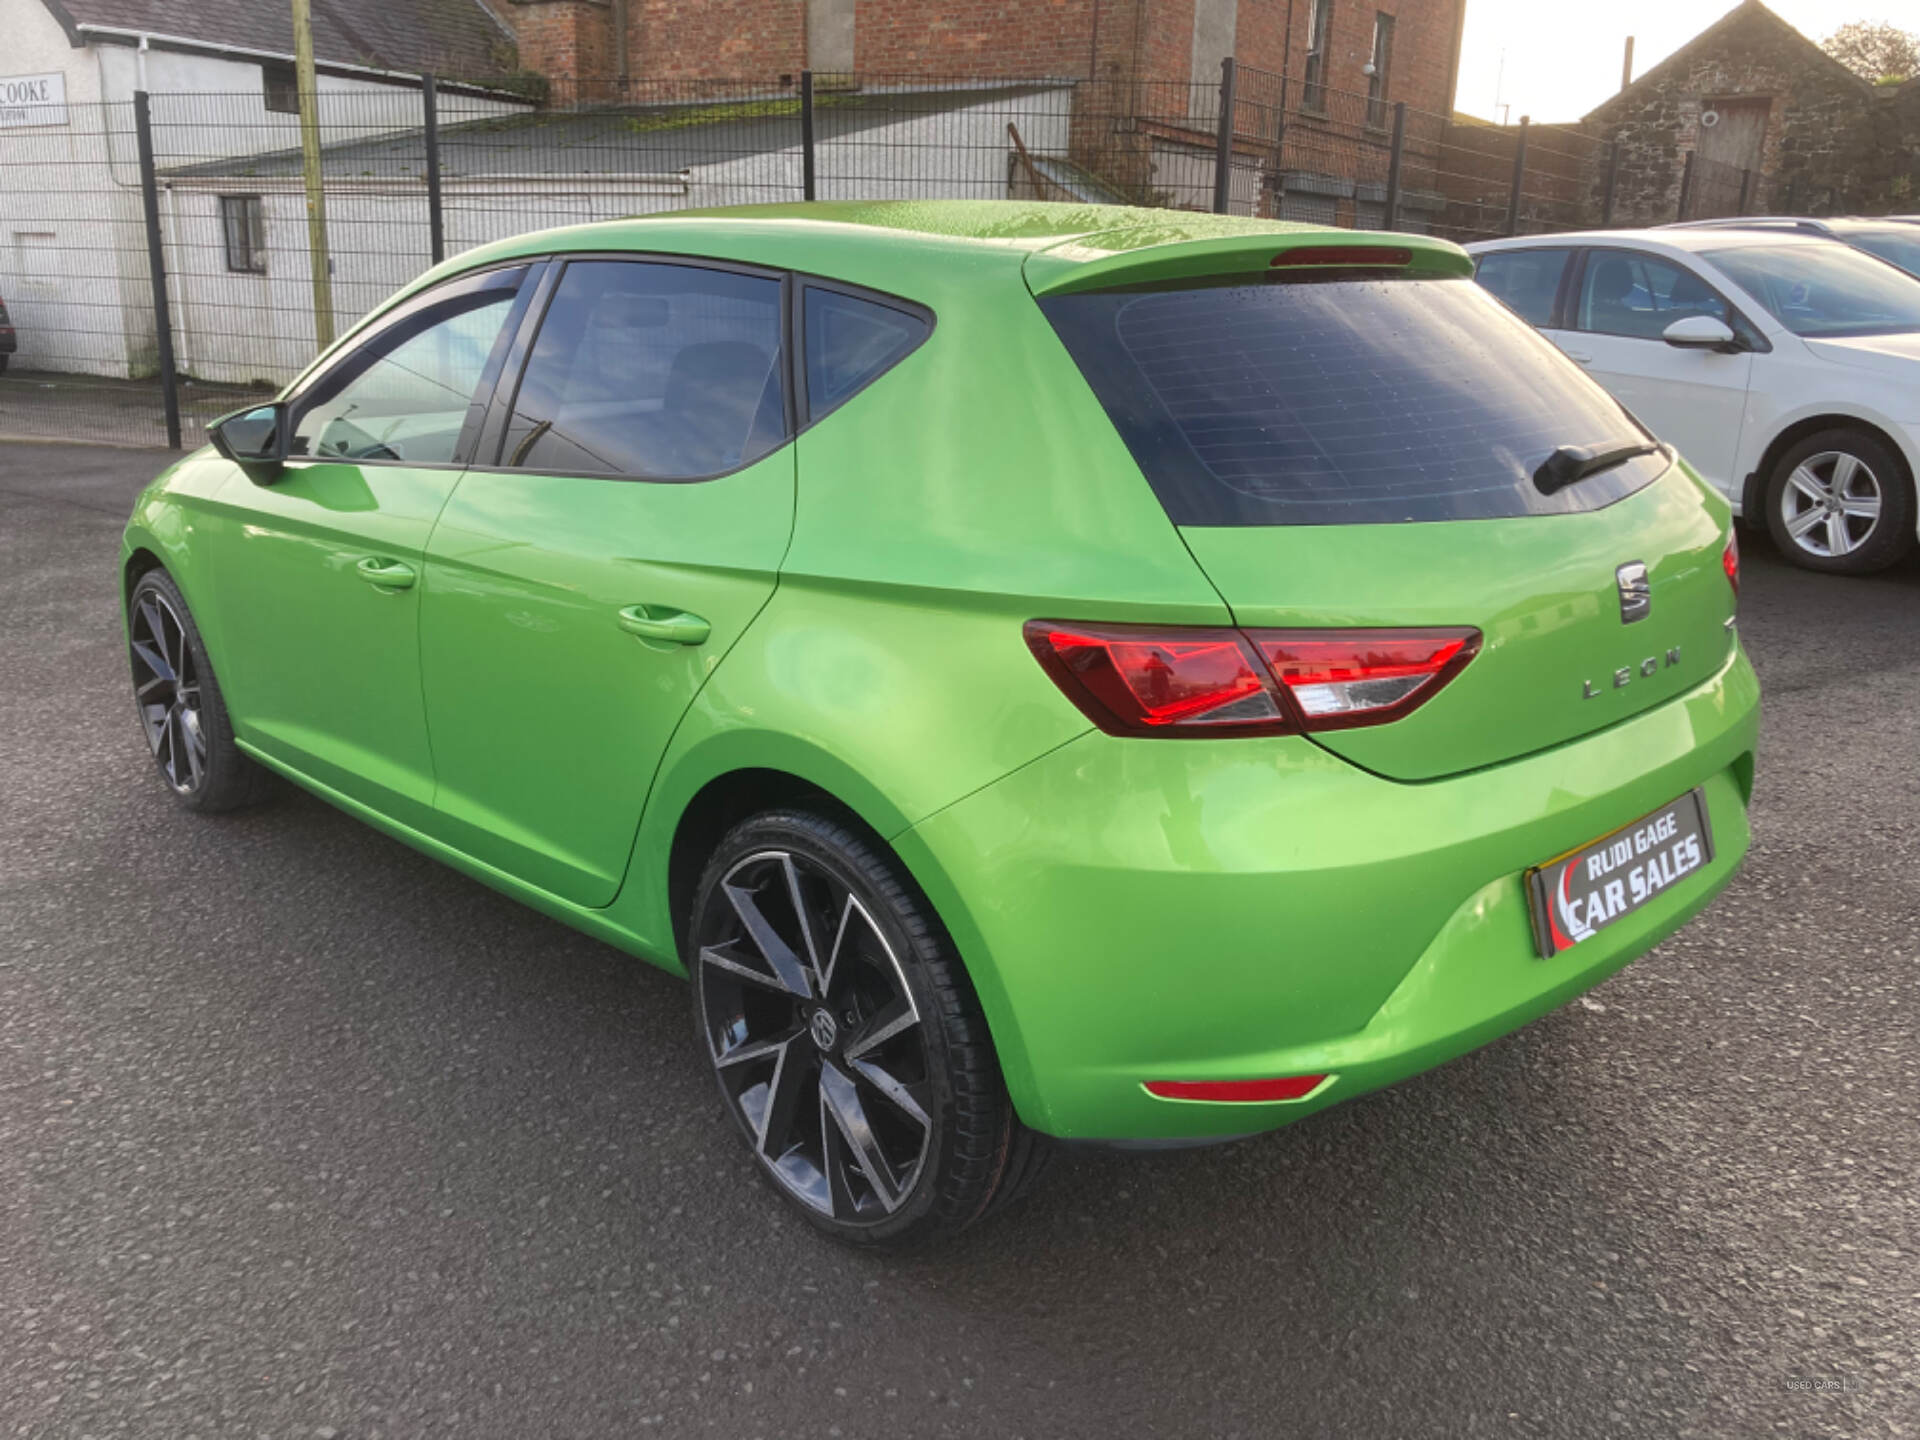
(1563, 57)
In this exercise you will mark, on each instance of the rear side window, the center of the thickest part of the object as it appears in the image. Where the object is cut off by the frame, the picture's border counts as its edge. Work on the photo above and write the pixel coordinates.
(850, 342)
(1342, 401)
(657, 371)
(1526, 281)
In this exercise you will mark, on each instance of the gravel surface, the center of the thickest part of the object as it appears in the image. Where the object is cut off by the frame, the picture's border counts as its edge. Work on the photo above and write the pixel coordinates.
(303, 1135)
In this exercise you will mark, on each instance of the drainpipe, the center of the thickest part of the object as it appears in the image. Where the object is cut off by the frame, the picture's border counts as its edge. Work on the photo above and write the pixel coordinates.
(620, 60)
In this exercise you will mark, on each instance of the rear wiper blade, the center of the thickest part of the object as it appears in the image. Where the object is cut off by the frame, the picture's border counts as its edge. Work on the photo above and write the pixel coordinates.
(1572, 463)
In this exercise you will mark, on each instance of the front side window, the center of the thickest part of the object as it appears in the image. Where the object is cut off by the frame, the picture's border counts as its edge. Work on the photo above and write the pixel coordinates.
(1824, 290)
(405, 393)
(1319, 28)
(851, 341)
(1377, 81)
(1639, 296)
(245, 229)
(1527, 282)
(1343, 399)
(652, 370)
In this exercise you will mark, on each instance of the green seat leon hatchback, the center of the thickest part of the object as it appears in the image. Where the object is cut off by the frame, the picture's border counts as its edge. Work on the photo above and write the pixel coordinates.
(1041, 671)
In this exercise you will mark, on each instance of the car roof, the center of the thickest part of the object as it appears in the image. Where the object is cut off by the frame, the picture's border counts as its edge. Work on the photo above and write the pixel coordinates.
(1685, 239)
(928, 236)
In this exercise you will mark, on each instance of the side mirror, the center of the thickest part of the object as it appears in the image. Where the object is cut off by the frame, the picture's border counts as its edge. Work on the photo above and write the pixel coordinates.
(254, 438)
(1700, 332)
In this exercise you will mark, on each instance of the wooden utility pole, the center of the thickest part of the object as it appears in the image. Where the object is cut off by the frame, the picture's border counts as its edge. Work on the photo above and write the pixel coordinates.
(1626, 65)
(317, 257)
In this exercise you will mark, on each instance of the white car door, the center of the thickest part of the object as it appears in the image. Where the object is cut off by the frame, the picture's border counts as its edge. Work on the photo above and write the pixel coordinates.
(1622, 302)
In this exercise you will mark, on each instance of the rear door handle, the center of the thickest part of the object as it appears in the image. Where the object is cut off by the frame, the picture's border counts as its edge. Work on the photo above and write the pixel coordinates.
(1577, 358)
(663, 622)
(386, 574)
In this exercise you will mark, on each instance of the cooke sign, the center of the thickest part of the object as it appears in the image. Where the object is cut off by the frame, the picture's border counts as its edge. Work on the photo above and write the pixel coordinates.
(33, 100)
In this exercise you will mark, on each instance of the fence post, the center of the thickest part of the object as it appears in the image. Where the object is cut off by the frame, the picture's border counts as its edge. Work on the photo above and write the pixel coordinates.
(806, 135)
(157, 266)
(1223, 145)
(1746, 189)
(436, 218)
(1519, 176)
(1686, 185)
(1392, 221)
(1613, 180)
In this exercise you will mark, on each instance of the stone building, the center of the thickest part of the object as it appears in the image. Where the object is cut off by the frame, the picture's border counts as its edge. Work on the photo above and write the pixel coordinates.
(1765, 113)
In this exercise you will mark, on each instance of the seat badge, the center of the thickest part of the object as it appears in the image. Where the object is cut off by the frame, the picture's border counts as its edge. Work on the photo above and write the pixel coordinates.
(1636, 592)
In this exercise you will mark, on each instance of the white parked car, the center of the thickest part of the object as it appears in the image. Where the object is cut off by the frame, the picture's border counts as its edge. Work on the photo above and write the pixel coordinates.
(1785, 367)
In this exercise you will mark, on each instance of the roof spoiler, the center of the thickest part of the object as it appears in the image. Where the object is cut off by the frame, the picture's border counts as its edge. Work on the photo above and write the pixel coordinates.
(1151, 255)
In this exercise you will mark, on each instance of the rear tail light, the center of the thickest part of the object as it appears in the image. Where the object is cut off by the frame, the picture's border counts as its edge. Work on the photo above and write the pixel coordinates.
(1148, 680)
(1343, 678)
(1135, 680)
(1730, 559)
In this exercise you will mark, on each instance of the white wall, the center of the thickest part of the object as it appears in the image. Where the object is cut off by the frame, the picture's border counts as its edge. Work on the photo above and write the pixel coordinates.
(73, 247)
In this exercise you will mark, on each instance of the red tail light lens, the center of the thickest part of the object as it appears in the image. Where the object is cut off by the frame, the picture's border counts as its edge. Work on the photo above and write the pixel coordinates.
(1140, 680)
(1730, 559)
(1134, 680)
(1342, 678)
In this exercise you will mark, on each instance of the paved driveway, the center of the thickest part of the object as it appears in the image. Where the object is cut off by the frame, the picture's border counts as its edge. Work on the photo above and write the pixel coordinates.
(304, 1135)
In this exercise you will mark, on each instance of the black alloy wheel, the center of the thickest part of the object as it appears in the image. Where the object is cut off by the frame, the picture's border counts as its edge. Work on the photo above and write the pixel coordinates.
(179, 705)
(166, 691)
(847, 1044)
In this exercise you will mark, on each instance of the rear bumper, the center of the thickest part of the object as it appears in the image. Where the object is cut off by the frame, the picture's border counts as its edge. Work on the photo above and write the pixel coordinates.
(1137, 910)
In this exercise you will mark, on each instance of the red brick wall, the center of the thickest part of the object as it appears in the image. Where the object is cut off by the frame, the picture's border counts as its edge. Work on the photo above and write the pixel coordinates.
(563, 39)
(726, 39)
(1150, 39)
(1421, 68)
(990, 37)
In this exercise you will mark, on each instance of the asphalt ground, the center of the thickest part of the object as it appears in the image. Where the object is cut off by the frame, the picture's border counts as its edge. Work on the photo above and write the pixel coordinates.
(303, 1135)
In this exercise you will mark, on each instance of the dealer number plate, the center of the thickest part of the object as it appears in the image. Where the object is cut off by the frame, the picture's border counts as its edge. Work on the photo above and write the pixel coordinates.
(1580, 894)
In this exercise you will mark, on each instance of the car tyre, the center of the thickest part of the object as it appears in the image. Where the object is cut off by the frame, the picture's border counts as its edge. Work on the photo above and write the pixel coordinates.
(178, 703)
(1841, 501)
(847, 1041)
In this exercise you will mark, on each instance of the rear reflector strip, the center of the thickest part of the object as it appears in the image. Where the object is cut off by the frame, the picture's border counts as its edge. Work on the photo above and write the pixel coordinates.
(1237, 1092)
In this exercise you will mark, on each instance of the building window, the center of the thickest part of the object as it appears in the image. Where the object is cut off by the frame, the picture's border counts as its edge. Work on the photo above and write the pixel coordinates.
(281, 88)
(1377, 80)
(246, 233)
(1319, 32)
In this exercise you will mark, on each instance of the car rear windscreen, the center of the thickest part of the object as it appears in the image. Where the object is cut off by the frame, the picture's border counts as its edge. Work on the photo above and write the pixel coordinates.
(1344, 399)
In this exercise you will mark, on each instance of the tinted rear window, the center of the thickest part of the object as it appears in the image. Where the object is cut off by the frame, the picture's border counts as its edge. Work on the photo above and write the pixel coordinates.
(1342, 401)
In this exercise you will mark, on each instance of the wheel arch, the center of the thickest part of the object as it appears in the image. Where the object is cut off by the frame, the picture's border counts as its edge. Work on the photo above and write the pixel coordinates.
(1753, 493)
(734, 775)
(140, 559)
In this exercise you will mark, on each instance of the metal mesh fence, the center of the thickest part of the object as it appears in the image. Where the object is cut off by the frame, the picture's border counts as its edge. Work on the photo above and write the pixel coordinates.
(74, 280)
(255, 284)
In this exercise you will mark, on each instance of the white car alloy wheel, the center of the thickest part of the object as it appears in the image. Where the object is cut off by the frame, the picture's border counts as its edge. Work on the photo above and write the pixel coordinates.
(1831, 504)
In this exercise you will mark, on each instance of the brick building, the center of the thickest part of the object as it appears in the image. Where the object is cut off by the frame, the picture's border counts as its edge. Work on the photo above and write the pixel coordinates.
(1412, 46)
